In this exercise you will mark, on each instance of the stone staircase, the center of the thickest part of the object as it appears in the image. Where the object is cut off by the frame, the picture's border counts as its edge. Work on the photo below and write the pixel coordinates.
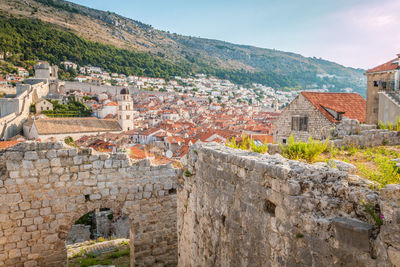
(394, 96)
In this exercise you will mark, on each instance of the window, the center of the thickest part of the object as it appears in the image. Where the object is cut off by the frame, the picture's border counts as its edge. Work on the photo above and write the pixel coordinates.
(128, 117)
(120, 107)
(299, 123)
(383, 85)
(120, 117)
(47, 108)
(376, 84)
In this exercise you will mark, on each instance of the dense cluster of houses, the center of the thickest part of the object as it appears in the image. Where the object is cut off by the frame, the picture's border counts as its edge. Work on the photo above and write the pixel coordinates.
(162, 125)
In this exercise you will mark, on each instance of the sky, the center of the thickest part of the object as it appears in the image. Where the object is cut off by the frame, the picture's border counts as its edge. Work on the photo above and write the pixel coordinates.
(354, 33)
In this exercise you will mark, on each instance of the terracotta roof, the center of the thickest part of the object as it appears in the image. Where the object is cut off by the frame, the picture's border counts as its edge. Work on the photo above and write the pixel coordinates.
(111, 104)
(263, 138)
(391, 65)
(352, 105)
(75, 125)
(7, 144)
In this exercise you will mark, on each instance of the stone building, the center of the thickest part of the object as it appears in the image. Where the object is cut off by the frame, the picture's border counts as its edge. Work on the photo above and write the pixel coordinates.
(60, 128)
(383, 92)
(43, 70)
(43, 105)
(125, 110)
(316, 114)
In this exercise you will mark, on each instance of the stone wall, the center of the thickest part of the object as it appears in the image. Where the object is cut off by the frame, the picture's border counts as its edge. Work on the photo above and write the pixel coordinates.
(369, 138)
(78, 234)
(95, 89)
(45, 188)
(237, 208)
(18, 108)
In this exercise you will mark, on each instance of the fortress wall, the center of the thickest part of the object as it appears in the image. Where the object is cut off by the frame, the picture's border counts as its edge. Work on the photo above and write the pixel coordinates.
(46, 187)
(237, 208)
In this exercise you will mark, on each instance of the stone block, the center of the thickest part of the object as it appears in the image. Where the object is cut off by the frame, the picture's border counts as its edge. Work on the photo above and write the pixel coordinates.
(14, 253)
(394, 256)
(83, 175)
(13, 165)
(31, 155)
(51, 154)
(352, 233)
(55, 162)
(95, 196)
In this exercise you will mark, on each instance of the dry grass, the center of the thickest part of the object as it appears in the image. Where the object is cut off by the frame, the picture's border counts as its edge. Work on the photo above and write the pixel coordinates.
(372, 163)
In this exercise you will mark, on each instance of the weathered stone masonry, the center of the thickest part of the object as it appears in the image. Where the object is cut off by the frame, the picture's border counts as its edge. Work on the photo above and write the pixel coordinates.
(244, 209)
(45, 188)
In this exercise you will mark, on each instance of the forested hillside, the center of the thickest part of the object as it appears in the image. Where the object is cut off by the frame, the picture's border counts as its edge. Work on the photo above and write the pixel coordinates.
(124, 45)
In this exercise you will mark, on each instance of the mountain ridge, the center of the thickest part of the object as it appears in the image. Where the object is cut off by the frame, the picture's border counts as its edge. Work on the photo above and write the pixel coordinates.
(111, 28)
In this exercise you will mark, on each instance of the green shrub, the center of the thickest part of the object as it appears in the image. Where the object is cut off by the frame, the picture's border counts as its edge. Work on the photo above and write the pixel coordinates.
(387, 171)
(247, 143)
(369, 208)
(390, 126)
(119, 254)
(308, 151)
(382, 125)
(187, 173)
(86, 262)
(69, 141)
(124, 243)
(398, 124)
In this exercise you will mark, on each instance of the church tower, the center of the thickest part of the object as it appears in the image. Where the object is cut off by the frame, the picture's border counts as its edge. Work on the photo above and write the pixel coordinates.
(125, 110)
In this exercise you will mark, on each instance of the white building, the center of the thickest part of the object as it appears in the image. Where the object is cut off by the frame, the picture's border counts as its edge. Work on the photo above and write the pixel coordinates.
(125, 110)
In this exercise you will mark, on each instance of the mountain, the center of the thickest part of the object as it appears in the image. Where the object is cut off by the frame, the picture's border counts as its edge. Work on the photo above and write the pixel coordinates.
(240, 63)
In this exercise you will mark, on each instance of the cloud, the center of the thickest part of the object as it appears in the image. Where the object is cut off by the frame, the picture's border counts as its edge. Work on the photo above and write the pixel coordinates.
(364, 35)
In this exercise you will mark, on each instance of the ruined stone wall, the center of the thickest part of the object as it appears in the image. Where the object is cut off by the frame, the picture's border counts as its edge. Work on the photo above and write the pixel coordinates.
(369, 138)
(237, 208)
(45, 188)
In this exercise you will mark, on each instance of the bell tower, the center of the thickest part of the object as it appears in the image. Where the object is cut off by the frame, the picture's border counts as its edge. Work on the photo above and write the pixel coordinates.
(125, 110)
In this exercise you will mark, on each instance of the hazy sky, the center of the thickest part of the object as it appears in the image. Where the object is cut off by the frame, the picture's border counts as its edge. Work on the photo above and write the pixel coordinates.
(356, 33)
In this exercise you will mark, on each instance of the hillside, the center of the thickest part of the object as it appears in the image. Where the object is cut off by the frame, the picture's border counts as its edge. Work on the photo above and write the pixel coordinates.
(242, 64)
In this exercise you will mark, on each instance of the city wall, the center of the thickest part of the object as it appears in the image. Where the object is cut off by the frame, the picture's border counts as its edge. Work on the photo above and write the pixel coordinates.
(16, 110)
(46, 187)
(237, 208)
(92, 88)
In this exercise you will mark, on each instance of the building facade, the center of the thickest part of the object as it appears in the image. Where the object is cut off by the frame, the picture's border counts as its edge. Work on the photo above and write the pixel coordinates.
(316, 115)
(125, 110)
(383, 92)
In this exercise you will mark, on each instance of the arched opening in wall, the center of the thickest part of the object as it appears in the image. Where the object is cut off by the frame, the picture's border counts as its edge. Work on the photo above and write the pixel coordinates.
(100, 237)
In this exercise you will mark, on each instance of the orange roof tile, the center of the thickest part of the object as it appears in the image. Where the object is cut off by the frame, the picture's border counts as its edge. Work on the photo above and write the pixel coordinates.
(352, 105)
(391, 65)
(7, 144)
